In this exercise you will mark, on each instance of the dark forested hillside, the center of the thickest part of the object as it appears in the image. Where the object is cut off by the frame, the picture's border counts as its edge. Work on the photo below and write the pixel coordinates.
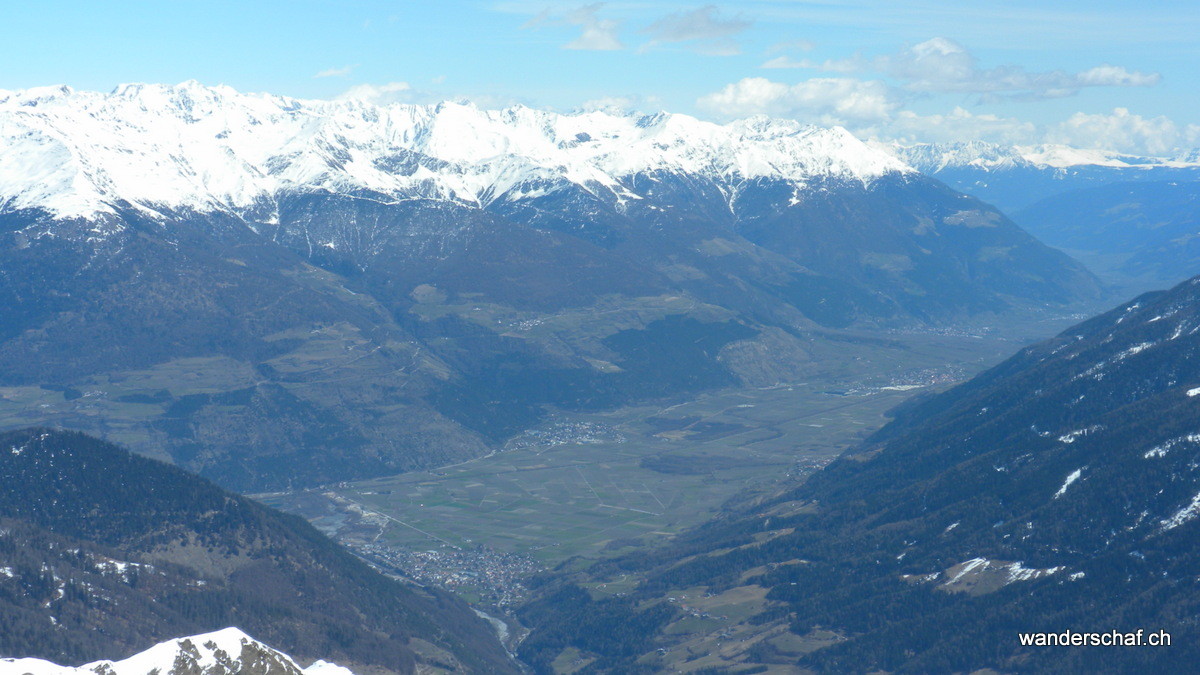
(1057, 491)
(1145, 231)
(240, 351)
(103, 552)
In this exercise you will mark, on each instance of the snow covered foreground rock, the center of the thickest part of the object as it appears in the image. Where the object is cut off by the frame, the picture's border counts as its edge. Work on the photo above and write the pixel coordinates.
(225, 652)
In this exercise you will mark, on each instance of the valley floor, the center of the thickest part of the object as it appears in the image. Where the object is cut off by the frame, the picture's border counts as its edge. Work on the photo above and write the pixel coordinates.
(586, 486)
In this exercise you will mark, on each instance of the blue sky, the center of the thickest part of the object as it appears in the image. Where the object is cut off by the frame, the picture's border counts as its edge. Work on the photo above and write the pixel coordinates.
(1121, 75)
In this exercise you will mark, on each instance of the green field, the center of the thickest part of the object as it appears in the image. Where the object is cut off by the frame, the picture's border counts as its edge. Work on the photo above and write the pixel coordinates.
(570, 498)
(594, 484)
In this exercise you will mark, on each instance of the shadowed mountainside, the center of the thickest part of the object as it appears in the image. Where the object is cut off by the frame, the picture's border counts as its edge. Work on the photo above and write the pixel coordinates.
(105, 551)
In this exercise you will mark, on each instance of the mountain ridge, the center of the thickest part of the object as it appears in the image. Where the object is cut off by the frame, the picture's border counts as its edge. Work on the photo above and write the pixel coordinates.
(1142, 233)
(104, 549)
(934, 157)
(1015, 177)
(214, 149)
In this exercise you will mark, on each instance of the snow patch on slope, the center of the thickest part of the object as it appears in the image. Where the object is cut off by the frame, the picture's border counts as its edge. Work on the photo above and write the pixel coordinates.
(981, 575)
(1072, 436)
(1071, 478)
(1163, 448)
(1183, 515)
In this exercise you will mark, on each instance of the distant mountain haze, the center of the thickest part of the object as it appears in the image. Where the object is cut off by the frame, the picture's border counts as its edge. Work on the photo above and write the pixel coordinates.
(1016, 177)
(1144, 233)
(1132, 220)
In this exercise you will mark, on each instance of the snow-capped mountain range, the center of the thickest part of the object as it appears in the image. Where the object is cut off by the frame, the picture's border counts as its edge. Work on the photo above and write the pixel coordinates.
(932, 158)
(224, 652)
(164, 150)
(1016, 177)
(204, 149)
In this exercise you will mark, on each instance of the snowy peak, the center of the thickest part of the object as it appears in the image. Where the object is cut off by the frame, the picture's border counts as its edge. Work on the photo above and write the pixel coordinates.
(192, 147)
(935, 157)
(224, 652)
(1063, 157)
(1016, 177)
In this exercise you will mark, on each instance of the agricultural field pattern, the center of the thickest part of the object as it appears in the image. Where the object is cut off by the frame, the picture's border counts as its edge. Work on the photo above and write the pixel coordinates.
(580, 487)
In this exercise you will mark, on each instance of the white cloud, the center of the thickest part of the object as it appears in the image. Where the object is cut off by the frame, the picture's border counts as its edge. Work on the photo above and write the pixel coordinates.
(620, 105)
(785, 62)
(933, 65)
(596, 34)
(829, 66)
(701, 29)
(956, 126)
(791, 46)
(375, 93)
(1124, 131)
(336, 72)
(842, 101)
(873, 110)
(869, 108)
(1116, 76)
(781, 62)
(404, 93)
(941, 65)
(617, 104)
